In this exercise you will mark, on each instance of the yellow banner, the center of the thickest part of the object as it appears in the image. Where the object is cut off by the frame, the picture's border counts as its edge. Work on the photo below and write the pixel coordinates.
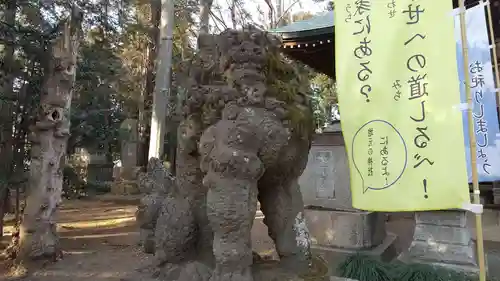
(400, 104)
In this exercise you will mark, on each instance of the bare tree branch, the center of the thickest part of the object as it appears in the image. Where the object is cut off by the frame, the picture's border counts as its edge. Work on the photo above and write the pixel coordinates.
(218, 19)
(271, 12)
(233, 11)
(287, 10)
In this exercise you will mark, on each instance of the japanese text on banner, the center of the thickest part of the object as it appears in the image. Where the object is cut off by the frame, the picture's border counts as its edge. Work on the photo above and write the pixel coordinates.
(400, 103)
(483, 95)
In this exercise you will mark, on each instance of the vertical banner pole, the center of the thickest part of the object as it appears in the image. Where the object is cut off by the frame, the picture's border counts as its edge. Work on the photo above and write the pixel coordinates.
(473, 147)
(493, 47)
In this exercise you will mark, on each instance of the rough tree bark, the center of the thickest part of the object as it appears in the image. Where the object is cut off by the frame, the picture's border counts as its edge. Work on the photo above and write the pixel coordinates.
(205, 9)
(38, 237)
(161, 94)
(146, 102)
(6, 115)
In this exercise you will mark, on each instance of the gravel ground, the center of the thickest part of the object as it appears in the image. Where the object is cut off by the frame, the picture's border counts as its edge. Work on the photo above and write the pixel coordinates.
(99, 239)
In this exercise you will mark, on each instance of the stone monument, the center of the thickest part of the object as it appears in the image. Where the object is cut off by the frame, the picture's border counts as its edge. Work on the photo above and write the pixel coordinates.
(244, 137)
(442, 238)
(336, 228)
(99, 170)
(126, 182)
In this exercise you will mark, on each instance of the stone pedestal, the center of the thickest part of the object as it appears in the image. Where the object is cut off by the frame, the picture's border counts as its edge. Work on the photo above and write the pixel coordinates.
(442, 238)
(99, 172)
(496, 193)
(346, 229)
(337, 229)
(262, 271)
(338, 234)
(124, 187)
(126, 181)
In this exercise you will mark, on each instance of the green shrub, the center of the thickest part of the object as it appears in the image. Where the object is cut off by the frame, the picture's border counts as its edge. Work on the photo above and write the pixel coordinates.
(366, 268)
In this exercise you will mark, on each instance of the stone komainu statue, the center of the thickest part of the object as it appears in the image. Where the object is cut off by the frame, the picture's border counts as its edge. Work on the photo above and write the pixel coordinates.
(244, 136)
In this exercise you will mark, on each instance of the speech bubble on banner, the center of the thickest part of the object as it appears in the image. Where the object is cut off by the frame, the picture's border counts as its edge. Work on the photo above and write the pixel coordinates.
(379, 155)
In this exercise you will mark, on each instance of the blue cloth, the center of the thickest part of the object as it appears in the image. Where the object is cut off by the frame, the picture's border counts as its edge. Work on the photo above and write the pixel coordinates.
(482, 85)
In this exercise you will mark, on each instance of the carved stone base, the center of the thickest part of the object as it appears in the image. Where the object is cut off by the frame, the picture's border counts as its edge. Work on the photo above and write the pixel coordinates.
(442, 238)
(386, 251)
(496, 192)
(270, 270)
(338, 234)
(124, 187)
(262, 271)
(345, 229)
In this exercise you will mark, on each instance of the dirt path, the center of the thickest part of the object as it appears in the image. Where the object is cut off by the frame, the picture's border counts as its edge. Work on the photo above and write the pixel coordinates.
(99, 241)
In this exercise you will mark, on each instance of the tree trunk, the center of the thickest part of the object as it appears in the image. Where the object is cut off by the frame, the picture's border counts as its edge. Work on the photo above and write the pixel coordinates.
(205, 9)
(4, 205)
(162, 81)
(6, 114)
(279, 13)
(38, 236)
(147, 94)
